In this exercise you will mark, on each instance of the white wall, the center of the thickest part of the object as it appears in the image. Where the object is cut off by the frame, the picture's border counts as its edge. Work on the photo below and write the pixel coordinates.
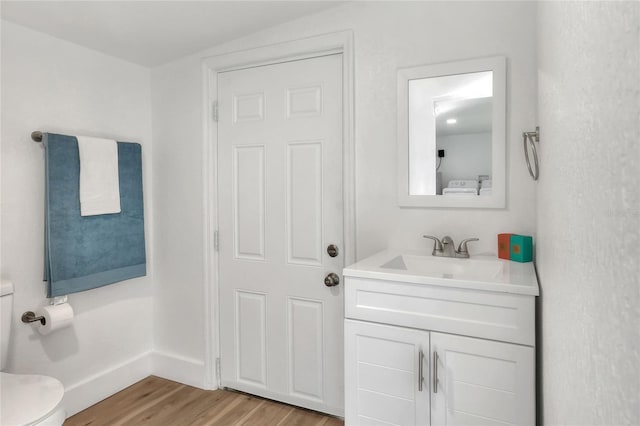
(589, 211)
(388, 36)
(178, 224)
(52, 85)
(465, 156)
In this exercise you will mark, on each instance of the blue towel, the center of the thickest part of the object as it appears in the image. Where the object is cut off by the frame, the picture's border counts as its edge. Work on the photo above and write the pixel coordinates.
(82, 253)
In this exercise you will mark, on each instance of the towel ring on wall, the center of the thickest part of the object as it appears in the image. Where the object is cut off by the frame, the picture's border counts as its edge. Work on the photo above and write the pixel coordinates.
(532, 137)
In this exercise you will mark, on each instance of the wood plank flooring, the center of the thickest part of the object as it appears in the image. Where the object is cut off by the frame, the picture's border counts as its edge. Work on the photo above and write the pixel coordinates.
(156, 401)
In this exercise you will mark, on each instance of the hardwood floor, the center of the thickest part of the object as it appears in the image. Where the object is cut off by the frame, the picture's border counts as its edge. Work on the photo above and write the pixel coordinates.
(156, 401)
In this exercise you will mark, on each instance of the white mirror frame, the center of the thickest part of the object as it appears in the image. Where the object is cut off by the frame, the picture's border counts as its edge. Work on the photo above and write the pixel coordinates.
(497, 199)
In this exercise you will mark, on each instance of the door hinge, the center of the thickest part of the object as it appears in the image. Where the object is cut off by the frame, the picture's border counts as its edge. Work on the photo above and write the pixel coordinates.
(214, 111)
(218, 377)
(216, 241)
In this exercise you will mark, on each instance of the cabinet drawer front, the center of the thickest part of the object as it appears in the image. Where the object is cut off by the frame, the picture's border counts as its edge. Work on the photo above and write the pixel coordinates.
(490, 315)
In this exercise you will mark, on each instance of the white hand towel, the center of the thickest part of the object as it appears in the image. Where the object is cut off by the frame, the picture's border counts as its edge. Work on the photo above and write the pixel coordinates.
(99, 180)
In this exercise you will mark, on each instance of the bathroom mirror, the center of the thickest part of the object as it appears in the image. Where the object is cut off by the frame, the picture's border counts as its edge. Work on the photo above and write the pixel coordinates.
(451, 134)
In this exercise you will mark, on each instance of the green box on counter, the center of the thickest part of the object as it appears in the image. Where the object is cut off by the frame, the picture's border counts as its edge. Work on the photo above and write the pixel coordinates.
(521, 247)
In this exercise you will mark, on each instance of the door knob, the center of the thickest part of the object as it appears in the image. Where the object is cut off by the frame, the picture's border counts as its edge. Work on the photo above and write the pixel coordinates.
(331, 280)
(332, 250)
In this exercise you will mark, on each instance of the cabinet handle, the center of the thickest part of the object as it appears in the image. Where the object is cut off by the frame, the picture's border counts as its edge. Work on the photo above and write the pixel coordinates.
(420, 373)
(435, 372)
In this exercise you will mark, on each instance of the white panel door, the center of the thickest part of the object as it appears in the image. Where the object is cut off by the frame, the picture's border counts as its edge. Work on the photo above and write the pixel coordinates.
(385, 367)
(481, 382)
(280, 206)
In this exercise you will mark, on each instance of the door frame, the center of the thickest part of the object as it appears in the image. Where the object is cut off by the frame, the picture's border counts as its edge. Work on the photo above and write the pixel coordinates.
(306, 48)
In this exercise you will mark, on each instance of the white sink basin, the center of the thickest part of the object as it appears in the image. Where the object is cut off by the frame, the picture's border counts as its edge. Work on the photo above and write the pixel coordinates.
(477, 272)
(446, 267)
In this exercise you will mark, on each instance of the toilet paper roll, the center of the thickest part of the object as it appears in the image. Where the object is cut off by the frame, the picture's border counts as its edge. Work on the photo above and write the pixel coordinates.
(56, 317)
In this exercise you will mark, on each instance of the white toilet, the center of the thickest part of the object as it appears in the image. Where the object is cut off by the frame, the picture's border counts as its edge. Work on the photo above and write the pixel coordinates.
(25, 399)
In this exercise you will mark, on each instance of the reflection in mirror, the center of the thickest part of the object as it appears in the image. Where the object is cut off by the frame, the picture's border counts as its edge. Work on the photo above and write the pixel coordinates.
(451, 134)
(450, 119)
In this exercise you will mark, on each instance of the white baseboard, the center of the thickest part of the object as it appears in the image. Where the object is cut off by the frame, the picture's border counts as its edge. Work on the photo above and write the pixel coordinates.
(93, 389)
(179, 369)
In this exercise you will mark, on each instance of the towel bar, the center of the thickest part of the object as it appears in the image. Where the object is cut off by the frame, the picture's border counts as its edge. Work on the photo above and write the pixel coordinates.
(36, 136)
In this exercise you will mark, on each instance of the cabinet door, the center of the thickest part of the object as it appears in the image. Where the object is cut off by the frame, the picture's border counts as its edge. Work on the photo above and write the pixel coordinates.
(382, 373)
(481, 382)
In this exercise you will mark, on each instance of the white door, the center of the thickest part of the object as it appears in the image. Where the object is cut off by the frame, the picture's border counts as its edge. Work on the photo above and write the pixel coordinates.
(481, 382)
(387, 375)
(280, 207)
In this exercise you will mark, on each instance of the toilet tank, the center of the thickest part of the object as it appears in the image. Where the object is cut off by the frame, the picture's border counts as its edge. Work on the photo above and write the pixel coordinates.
(6, 309)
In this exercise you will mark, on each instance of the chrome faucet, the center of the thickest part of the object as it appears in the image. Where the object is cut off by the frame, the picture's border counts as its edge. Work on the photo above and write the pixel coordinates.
(446, 247)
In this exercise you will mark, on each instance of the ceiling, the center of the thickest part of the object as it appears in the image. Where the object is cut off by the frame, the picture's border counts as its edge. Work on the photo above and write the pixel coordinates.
(471, 115)
(151, 33)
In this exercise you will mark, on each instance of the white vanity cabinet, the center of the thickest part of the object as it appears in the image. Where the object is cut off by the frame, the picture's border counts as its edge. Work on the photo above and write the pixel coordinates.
(480, 382)
(427, 351)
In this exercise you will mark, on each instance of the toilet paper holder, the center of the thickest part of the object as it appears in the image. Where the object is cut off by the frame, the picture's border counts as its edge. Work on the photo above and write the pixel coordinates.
(30, 316)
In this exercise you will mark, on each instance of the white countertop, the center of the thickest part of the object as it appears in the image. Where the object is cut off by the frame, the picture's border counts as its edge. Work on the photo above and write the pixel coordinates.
(487, 273)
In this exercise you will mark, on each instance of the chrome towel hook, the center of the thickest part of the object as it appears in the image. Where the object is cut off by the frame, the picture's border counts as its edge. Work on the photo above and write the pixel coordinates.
(532, 137)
